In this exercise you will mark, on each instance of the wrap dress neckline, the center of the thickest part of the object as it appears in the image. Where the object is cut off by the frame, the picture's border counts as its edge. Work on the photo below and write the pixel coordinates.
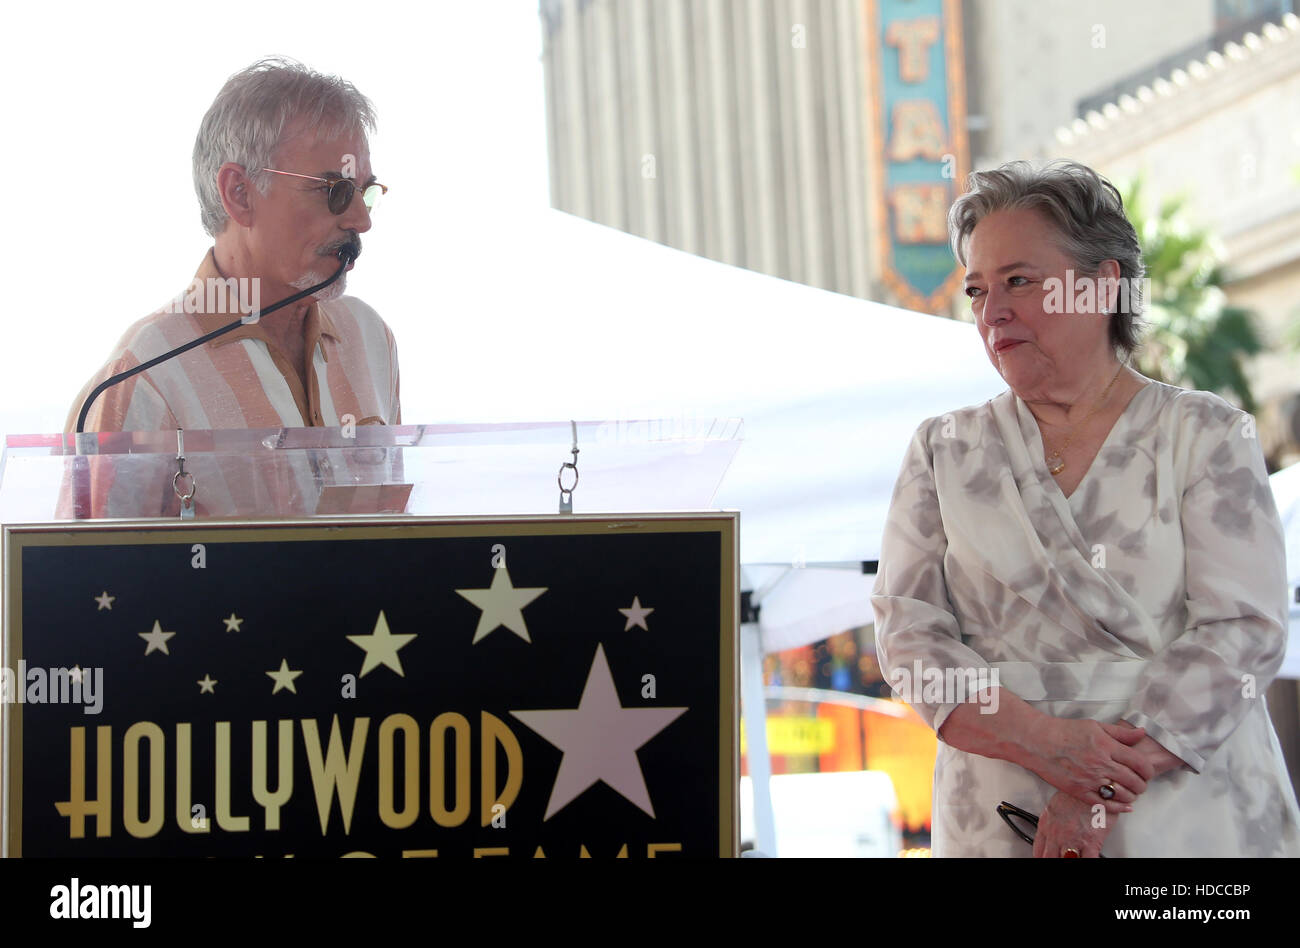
(1033, 434)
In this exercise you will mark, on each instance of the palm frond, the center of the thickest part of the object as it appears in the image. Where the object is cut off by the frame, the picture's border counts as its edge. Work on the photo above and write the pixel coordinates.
(1195, 338)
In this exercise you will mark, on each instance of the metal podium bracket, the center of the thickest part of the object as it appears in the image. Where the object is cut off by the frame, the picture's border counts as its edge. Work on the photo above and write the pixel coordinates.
(185, 494)
(566, 493)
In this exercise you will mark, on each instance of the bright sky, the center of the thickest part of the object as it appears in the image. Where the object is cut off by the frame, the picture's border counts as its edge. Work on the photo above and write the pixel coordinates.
(103, 101)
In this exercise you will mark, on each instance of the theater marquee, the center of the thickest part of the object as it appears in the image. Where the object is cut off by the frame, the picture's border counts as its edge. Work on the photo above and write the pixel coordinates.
(519, 687)
(917, 95)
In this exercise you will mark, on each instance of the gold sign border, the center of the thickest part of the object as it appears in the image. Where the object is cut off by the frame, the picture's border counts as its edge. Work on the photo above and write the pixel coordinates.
(726, 524)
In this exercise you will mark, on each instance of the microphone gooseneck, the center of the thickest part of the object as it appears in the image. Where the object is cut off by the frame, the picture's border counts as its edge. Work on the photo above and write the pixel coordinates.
(346, 254)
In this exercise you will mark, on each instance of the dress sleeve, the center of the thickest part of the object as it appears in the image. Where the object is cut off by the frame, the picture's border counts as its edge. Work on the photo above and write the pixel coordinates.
(1196, 690)
(916, 629)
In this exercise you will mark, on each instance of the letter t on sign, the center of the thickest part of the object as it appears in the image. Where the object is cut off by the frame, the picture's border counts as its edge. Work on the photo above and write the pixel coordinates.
(913, 39)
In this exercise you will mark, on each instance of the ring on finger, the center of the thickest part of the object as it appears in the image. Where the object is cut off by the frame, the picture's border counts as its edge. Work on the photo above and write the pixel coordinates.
(1069, 853)
(1106, 791)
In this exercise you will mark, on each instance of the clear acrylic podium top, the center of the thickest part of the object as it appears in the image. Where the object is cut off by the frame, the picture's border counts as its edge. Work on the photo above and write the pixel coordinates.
(512, 468)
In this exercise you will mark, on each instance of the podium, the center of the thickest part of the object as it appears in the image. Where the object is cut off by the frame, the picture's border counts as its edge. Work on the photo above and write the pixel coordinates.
(380, 642)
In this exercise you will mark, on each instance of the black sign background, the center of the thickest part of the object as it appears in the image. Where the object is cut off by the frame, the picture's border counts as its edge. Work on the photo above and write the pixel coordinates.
(298, 599)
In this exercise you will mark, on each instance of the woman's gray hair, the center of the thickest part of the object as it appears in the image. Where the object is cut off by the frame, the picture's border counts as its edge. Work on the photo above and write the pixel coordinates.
(248, 119)
(1087, 213)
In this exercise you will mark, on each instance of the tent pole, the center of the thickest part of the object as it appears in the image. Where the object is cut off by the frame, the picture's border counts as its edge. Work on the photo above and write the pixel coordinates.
(754, 713)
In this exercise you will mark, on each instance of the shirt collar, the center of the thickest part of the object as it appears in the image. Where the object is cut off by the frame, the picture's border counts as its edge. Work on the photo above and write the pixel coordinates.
(316, 323)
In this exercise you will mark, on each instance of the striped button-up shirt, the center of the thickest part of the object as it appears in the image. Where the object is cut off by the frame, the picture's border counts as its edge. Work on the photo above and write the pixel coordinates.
(243, 379)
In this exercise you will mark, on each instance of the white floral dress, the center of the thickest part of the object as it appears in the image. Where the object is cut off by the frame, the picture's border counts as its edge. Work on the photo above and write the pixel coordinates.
(1155, 593)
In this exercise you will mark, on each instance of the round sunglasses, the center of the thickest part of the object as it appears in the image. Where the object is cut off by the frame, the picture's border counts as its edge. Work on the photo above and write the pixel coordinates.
(341, 190)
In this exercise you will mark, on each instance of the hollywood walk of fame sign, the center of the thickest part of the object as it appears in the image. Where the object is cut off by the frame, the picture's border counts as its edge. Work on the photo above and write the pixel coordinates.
(458, 687)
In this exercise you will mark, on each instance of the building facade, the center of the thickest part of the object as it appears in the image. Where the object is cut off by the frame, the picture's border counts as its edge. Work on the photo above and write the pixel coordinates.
(712, 128)
(816, 140)
(1222, 130)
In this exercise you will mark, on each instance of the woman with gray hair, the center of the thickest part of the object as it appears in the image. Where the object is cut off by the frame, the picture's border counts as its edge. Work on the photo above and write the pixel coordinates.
(1098, 550)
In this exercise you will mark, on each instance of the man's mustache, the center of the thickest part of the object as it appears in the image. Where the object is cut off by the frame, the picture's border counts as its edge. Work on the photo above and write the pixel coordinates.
(333, 250)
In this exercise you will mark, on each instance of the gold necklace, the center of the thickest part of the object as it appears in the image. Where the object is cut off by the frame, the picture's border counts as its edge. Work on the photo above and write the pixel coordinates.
(1057, 466)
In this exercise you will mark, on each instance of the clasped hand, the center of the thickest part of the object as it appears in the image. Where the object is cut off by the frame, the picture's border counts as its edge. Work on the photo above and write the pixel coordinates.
(1065, 823)
(1079, 757)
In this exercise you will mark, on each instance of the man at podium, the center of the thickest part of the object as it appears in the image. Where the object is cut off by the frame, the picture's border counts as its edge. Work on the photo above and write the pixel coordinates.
(282, 171)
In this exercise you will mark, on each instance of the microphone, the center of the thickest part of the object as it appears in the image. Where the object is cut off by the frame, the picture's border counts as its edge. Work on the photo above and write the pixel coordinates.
(346, 254)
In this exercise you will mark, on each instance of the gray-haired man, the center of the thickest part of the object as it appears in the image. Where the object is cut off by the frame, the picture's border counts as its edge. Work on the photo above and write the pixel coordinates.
(282, 171)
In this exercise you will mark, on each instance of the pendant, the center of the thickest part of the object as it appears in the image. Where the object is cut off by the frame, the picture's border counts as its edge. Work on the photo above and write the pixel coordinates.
(1058, 466)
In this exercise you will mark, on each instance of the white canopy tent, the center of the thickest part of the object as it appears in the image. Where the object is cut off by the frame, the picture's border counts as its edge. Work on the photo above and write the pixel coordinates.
(616, 327)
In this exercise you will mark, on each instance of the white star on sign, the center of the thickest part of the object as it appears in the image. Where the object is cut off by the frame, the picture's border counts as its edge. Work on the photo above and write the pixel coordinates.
(206, 685)
(636, 614)
(156, 638)
(105, 601)
(233, 623)
(599, 739)
(381, 647)
(502, 604)
(284, 678)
